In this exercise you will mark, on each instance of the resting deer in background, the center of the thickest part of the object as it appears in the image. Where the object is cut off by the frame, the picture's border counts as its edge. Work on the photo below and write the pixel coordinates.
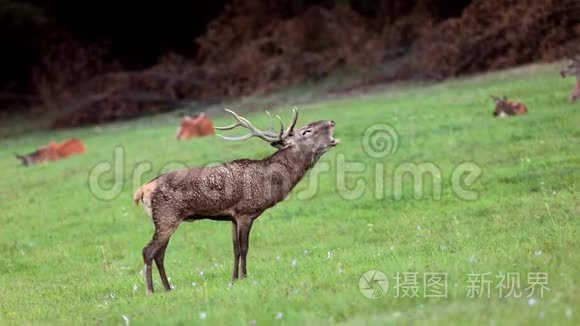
(53, 151)
(238, 191)
(505, 107)
(573, 69)
(195, 126)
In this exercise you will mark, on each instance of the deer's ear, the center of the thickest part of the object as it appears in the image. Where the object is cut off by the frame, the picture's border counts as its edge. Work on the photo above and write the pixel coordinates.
(278, 144)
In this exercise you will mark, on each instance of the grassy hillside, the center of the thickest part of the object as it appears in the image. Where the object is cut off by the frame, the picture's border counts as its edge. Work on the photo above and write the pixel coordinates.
(69, 256)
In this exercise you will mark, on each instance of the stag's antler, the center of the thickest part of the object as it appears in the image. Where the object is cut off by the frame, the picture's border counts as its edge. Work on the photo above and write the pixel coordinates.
(269, 136)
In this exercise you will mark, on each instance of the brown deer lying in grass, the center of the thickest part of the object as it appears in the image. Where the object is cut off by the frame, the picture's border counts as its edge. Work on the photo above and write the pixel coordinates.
(573, 69)
(53, 151)
(505, 107)
(196, 125)
(238, 191)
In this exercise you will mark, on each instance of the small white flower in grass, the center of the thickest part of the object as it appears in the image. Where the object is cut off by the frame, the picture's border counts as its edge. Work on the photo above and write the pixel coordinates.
(392, 248)
(538, 252)
(306, 251)
(172, 286)
(279, 315)
(230, 285)
(396, 314)
(278, 258)
(329, 254)
(554, 193)
(201, 273)
(569, 312)
(193, 284)
(141, 272)
(254, 283)
(532, 301)
(126, 319)
(135, 287)
(252, 322)
(203, 315)
(293, 263)
(418, 227)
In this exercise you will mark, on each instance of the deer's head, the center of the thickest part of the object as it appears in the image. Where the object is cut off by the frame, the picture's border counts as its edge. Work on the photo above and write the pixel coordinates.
(316, 137)
(34, 157)
(572, 69)
(502, 107)
(25, 159)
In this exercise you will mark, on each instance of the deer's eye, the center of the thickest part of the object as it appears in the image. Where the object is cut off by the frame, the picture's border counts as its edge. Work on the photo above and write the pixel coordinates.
(306, 131)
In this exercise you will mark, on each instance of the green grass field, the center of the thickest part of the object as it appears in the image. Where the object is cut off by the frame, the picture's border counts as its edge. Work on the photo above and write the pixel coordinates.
(69, 257)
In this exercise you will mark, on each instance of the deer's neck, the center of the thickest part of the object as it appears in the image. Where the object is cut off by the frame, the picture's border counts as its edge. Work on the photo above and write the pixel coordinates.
(294, 162)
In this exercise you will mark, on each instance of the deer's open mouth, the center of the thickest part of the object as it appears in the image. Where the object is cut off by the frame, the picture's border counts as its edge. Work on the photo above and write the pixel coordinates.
(333, 141)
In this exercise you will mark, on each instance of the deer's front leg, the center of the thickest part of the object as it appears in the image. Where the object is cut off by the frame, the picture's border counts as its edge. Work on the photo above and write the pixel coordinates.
(236, 245)
(244, 228)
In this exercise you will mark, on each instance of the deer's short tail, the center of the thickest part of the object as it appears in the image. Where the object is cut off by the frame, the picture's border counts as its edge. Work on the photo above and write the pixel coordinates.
(138, 195)
(143, 195)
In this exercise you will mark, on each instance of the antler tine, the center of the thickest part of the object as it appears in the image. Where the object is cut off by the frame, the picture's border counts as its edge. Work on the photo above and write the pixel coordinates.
(271, 132)
(281, 127)
(271, 124)
(243, 122)
(235, 138)
(232, 126)
(294, 120)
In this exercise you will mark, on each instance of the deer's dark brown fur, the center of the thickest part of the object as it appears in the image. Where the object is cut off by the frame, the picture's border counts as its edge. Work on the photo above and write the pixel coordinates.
(238, 191)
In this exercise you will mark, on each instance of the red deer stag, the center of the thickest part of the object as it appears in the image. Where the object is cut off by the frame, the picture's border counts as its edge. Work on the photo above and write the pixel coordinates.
(53, 151)
(238, 191)
(195, 126)
(505, 107)
(573, 69)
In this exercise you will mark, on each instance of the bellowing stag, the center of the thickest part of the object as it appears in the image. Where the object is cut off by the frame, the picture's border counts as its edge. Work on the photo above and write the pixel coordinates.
(237, 192)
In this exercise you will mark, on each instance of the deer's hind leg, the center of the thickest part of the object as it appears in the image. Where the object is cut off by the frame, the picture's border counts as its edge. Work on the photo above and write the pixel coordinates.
(155, 249)
(159, 261)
